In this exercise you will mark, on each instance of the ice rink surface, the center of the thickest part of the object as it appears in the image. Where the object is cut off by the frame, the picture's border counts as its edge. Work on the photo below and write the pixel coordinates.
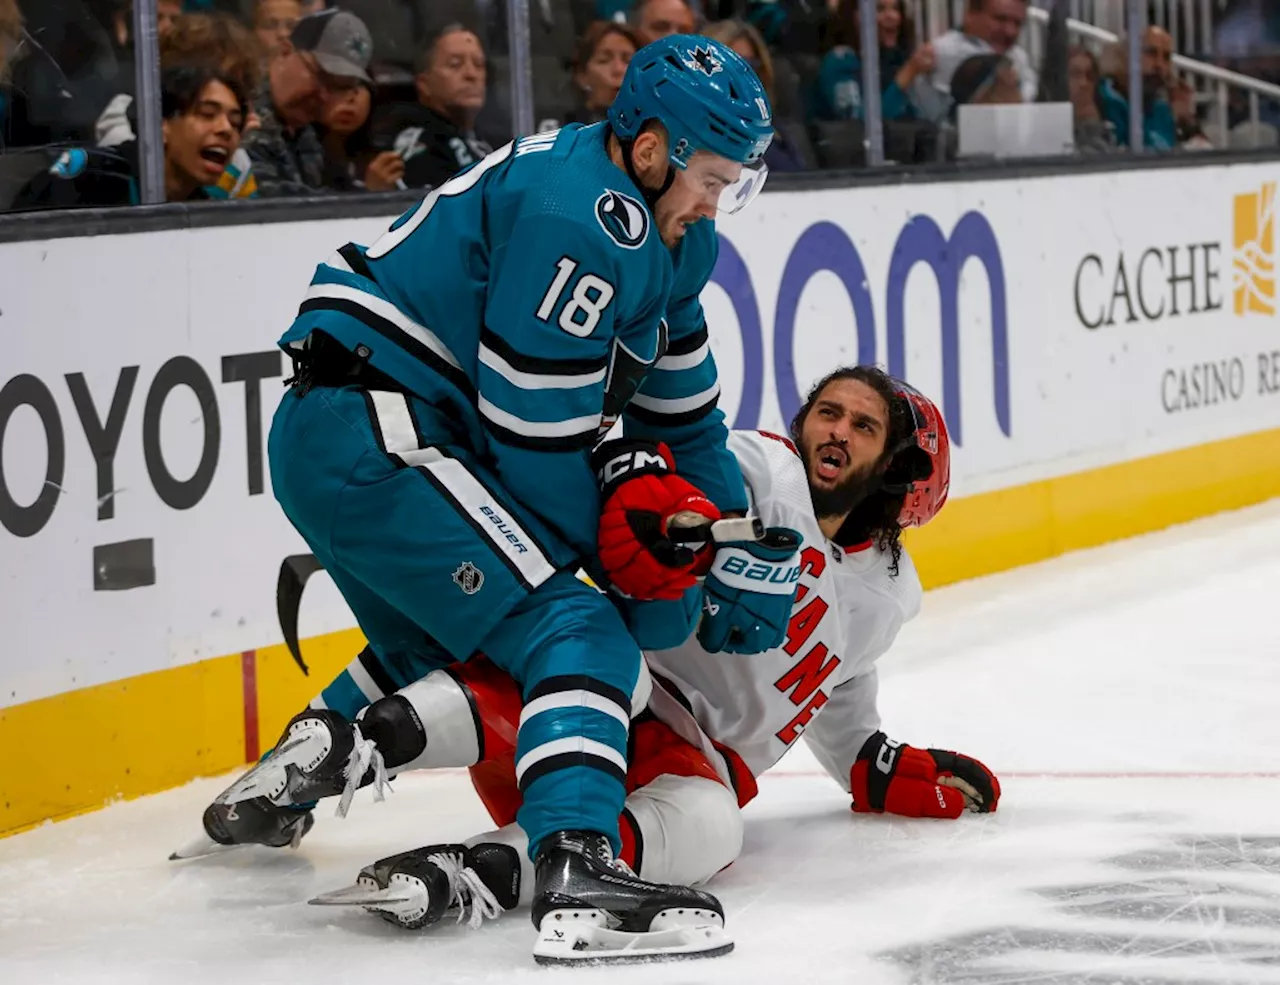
(1126, 696)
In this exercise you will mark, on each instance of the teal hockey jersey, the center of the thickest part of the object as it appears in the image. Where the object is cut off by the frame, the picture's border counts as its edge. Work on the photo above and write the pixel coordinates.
(531, 300)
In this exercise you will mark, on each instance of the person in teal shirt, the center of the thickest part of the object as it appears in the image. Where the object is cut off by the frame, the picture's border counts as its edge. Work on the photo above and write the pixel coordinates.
(839, 88)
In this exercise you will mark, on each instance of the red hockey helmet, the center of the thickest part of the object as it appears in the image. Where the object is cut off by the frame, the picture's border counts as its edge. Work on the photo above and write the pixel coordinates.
(921, 467)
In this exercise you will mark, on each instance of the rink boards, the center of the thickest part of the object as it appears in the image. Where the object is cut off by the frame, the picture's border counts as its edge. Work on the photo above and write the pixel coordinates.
(1105, 348)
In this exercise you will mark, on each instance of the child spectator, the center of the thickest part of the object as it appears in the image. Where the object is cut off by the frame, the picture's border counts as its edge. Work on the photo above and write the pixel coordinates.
(839, 90)
(745, 40)
(601, 60)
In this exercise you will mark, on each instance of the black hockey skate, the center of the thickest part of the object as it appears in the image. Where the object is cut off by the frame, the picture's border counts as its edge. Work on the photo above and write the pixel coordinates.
(416, 889)
(320, 754)
(588, 907)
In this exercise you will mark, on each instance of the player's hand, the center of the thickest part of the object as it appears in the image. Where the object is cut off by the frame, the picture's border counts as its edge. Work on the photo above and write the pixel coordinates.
(640, 495)
(749, 592)
(894, 778)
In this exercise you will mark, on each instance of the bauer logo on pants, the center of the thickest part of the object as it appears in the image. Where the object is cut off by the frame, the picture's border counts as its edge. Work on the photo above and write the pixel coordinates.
(469, 578)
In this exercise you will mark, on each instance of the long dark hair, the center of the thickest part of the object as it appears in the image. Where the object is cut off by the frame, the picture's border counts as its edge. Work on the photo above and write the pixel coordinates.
(875, 519)
(844, 28)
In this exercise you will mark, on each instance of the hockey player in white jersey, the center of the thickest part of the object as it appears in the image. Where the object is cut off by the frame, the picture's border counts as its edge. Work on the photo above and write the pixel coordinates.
(868, 455)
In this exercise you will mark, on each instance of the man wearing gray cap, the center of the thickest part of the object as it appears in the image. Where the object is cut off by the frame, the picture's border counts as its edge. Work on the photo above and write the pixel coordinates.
(328, 55)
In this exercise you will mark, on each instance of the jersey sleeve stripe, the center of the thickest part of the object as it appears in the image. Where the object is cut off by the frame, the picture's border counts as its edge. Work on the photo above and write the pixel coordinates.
(535, 380)
(677, 405)
(386, 312)
(671, 420)
(573, 427)
(683, 345)
(689, 360)
(539, 365)
(392, 333)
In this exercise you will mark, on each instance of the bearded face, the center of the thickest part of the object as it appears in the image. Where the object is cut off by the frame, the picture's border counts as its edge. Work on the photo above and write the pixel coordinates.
(842, 441)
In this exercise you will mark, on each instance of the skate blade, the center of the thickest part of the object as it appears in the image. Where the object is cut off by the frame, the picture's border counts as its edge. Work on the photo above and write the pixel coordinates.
(580, 938)
(200, 847)
(264, 778)
(366, 896)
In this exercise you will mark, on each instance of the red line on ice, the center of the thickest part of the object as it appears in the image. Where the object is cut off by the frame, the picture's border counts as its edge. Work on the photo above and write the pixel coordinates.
(249, 677)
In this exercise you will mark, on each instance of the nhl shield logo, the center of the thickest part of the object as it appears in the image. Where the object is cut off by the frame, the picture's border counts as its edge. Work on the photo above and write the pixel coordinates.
(469, 578)
(624, 219)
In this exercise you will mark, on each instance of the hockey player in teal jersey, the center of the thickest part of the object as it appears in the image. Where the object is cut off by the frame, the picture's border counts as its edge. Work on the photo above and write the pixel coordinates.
(436, 452)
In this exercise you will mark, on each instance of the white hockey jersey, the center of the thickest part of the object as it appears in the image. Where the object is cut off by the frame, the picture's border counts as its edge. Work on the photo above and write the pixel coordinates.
(745, 710)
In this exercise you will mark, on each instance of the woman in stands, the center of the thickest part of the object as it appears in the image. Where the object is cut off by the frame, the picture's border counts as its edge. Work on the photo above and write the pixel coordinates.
(784, 153)
(352, 160)
(839, 89)
(601, 60)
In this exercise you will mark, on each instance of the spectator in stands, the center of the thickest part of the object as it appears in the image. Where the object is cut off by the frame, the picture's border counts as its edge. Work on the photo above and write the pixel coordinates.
(1092, 131)
(1159, 127)
(217, 39)
(328, 57)
(203, 112)
(273, 22)
(988, 79)
(313, 6)
(351, 161)
(783, 153)
(601, 60)
(653, 19)
(10, 38)
(437, 137)
(989, 26)
(839, 89)
(117, 17)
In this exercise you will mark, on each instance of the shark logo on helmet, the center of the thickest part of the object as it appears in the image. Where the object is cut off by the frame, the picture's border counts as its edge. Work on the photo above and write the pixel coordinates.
(623, 218)
(704, 60)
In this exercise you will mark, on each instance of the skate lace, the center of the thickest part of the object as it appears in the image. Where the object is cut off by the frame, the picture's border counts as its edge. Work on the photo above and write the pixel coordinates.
(363, 755)
(467, 887)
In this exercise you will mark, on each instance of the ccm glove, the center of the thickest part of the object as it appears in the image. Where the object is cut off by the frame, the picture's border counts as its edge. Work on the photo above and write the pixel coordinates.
(640, 495)
(894, 778)
(748, 594)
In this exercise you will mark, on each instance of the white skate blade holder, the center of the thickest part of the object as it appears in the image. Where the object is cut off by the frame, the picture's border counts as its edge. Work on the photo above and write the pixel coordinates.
(583, 937)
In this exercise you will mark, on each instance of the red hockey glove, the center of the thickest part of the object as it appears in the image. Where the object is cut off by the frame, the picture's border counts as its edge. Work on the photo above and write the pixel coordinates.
(890, 777)
(639, 495)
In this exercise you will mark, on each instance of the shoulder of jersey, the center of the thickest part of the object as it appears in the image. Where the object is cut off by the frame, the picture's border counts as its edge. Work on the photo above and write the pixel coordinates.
(578, 180)
(772, 467)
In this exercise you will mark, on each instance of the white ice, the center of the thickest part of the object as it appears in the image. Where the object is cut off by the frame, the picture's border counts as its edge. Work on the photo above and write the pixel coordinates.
(1126, 696)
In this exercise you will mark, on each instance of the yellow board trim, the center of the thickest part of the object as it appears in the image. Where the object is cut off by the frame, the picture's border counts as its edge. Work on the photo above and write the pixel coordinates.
(79, 751)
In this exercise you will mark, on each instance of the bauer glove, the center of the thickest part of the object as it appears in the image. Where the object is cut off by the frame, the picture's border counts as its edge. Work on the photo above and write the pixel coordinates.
(749, 592)
(893, 778)
(640, 497)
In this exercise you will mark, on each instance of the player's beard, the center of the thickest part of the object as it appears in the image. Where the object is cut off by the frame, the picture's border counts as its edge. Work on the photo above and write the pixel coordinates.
(844, 497)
